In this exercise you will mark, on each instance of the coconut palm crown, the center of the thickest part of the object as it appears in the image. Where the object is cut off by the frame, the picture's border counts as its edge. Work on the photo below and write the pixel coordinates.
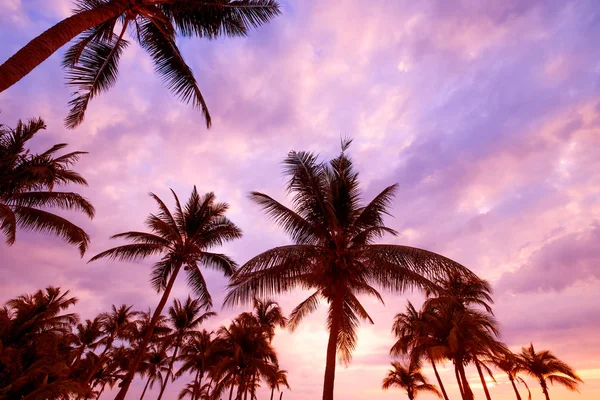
(100, 26)
(545, 366)
(27, 183)
(334, 252)
(408, 378)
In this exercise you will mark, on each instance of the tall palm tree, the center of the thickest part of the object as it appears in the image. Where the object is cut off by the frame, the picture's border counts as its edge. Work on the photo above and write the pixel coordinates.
(278, 380)
(333, 252)
(408, 378)
(118, 323)
(544, 366)
(268, 315)
(100, 25)
(197, 357)
(416, 333)
(185, 319)
(183, 238)
(27, 182)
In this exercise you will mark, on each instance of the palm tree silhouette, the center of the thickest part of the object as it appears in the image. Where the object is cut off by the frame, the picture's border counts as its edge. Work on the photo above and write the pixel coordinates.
(544, 366)
(27, 182)
(183, 238)
(333, 252)
(508, 363)
(278, 380)
(154, 365)
(92, 62)
(185, 319)
(198, 358)
(416, 333)
(408, 378)
(118, 323)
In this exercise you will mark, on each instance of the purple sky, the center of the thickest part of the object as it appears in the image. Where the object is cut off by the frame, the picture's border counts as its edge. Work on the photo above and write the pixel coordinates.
(487, 114)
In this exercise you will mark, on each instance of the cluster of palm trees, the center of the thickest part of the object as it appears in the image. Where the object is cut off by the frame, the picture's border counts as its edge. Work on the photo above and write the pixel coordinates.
(458, 325)
(47, 353)
(333, 254)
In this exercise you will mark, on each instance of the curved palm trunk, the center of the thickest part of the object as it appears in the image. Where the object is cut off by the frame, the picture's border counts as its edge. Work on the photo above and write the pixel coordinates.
(280, 395)
(480, 372)
(468, 393)
(97, 365)
(272, 393)
(43, 46)
(544, 388)
(164, 385)
(135, 363)
(460, 387)
(512, 381)
(145, 387)
(438, 377)
(329, 380)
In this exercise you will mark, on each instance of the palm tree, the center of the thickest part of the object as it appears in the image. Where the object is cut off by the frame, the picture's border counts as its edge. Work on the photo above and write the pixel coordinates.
(183, 239)
(416, 335)
(185, 319)
(408, 378)
(118, 323)
(35, 346)
(544, 366)
(100, 25)
(277, 380)
(244, 352)
(508, 363)
(197, 356)
(268, 315)
(87, 337)
(154, 365)
(333, 252)
(27, 181)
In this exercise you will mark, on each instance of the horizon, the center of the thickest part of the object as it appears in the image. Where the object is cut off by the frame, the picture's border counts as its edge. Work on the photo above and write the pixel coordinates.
(487, 115)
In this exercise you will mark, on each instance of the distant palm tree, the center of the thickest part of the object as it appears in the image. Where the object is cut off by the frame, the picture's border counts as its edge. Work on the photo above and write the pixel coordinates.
(154, 365)
(185, 319)
(408, 378)
(417, 335)
(92, 62)
(333, 252)
(268, 315)
(87, 337)
(184, 239)
(118, 323)
(278, 380)
(27, 182)
(544, 366)
(508, 363)
(198, 358)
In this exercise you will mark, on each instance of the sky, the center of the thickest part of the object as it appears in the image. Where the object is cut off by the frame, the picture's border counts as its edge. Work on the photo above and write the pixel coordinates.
(486, 113)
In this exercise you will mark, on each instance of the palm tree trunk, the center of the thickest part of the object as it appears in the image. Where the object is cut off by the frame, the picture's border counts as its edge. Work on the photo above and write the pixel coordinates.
(460, 387)
(438, 376)
(280, 395)
(512, 381)
(101, 390)
(480, 372)
(43, 46)
(544, 388)
(232, 385)
(253, 387)
(96, 366)
(468, 393)
(133, 366)
(272, 392)
(337, 305)
(169, 371)
(145, 387)
(197, 381)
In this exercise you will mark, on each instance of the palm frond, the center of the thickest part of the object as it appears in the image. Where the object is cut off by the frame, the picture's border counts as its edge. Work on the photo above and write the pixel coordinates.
(63, 200)
(43, 221)
(303, 309)
(130, 252)
(9, 223)
(96, 71)
(219, 262)
(197, 283)
(169, 63)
